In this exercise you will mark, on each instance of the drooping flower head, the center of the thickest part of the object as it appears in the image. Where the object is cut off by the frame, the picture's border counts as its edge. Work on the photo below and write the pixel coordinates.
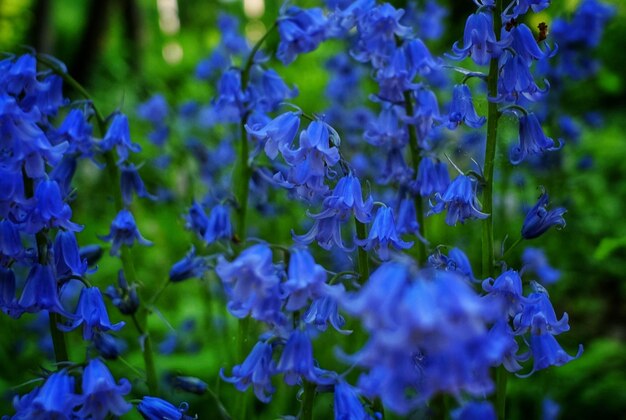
(539, 219)
(252, 284)
(124, 232)
(101, 394)
(256, 370)
(459, 200)
(92, 313)
(532, 140)
(300, 30)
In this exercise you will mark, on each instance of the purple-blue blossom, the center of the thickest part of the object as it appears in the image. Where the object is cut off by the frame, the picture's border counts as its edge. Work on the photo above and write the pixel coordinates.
(539, 219)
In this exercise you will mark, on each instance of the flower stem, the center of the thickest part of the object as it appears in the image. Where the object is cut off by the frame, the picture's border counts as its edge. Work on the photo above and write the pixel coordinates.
(488, 256)
(416, 158)
(243, 170)
(363, 260)
(306, 409)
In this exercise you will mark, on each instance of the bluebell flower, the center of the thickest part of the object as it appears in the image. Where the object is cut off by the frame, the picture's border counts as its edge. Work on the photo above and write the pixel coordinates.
(305, 279)
(11, 189)
(546, 351)
(108, 346)
(427, 18)
(506, 292)
(316, 153)
(386, 130)
(538, 305)
(230, 100)
(525, 45)
(152, 408)
(406, 222)
(421, 61)
(41, 292)
(509, 358)
(396, 170)
(10, 241)
(256, 370)
(155, 110)
(532, 140)
(345, 14)
(347, 405)
(323, 311)
(64, 172)
(131, 182)
(218, 225)
(382, 234)
(102, 396)
(92, 314)
(539, 219)
(196, 219)
(123, 297)
(273, 91)
(49, 209)
(54, 400)
(8, 300)
(345, 200)
(77, 132)
(190, 266)
(344, 80)
(535, 261)
(347, 197)
(462, 109)
(124, 232)
(252, 284)
(456, 260)
(516, 81)
(118, 136)
(482, 410)
(432, 177)
(300, 30)
(278, 133)
(296, 361)
(208, 68)
(479, 40)
(326, 231)
(428, 334)
(459, 200)
(67, 258)
(189, 384)
(377, 30)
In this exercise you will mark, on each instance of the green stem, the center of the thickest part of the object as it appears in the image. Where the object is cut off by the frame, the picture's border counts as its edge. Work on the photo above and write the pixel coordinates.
(306, 409)
(416, 158)
(363, 260)
(490, 154)
(58, 339)
(243, 171)
(488, 256)
(513, 245)
(148, 355)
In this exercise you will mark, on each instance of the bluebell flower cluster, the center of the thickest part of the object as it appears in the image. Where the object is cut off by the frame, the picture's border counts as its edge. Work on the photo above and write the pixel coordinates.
(428, 334)
(429, 330)
(57, 397)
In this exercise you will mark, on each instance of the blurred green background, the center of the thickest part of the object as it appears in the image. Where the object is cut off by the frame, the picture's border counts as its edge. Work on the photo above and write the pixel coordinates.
(124, 51)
